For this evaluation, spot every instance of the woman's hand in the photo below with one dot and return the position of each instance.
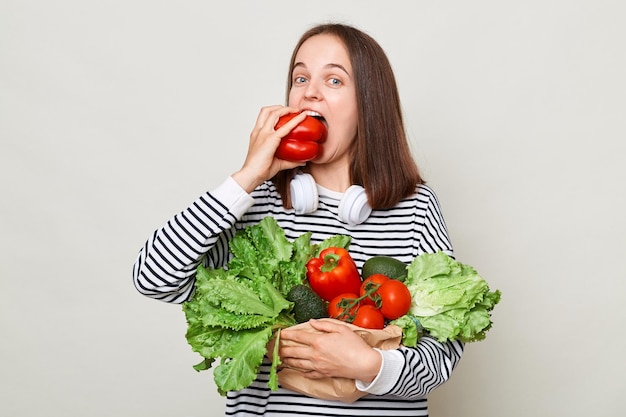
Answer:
(335, 352)
(260, 163)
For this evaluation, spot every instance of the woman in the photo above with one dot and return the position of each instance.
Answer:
(342, 76)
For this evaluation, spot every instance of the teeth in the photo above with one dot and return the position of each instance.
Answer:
(313, 113)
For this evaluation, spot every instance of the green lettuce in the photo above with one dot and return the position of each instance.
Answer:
(236, 310)
(451, 301)
(263, 251)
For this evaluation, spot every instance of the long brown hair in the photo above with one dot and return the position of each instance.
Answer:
(382, 161)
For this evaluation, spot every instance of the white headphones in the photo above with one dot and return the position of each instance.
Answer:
(353, 207)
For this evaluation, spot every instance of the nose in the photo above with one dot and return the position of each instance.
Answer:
(312, 92)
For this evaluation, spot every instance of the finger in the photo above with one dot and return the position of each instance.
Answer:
(314, 375)
(289, 126)
(301, 365)
(299, 336)
(269, 115)
(328, 325)
(264, 130)
(264, 114)
(291, 356)
(306, 367)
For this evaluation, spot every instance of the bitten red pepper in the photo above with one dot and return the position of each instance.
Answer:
(332, 273)
(304, 142)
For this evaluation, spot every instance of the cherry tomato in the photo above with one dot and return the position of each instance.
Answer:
(304, 141)
(395, 299)
(343, 306)
(369, 285)
(369, 317)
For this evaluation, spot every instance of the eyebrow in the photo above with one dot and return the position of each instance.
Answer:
(331, 65)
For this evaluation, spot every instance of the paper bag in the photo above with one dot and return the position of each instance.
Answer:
(340, 389)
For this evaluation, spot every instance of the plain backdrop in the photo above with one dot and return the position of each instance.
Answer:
(114, 115)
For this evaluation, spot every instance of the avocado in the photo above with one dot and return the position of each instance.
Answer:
(306, 303)
(386, 265)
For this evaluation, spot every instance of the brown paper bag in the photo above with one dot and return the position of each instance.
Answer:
(341, 389)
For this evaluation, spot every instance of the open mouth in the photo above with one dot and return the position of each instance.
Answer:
(316, 115)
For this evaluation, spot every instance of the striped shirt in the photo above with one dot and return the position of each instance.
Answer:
(164, 269)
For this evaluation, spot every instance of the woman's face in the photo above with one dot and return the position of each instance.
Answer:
(323, 85)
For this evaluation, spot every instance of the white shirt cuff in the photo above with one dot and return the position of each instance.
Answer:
(235, 198)
(390, 368)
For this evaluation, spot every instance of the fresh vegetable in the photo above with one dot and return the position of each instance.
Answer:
(369, 317)
(391, 296)
(380, 299)
(235, 310)
(386, 265)
(343, 306)
(395, 299)
(333, 272)
(306, 303)
(304, 142)
(369, 289)
(451, 301)
(233, 318)
(263, 251)
(412, 330)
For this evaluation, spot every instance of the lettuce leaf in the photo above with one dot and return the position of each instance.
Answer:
(451, 301)
(412, 330)
(263, 251)
(240, 365)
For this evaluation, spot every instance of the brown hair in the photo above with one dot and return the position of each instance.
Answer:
(382, 161)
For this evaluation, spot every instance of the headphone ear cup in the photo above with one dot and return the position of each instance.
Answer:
(304, 197)
(353, 207)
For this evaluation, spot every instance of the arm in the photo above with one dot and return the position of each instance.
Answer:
(337, 351)
(165, 266)
(415, 372)
(431, 233)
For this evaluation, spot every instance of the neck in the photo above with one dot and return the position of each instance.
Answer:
(333, 178)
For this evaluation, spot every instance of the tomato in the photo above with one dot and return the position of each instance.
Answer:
(369, 288)
(304, 141)
(343, 306)
(369, 317)
(395, 299)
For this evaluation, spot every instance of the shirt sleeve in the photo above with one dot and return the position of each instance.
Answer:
(431, 231)
(415, 372)
(165, 266)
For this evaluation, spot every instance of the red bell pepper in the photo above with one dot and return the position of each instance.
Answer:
(332, 273)
(304, 142)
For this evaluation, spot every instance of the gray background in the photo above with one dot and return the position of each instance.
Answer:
(114, 115)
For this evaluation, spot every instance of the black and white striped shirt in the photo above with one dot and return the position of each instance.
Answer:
(165, 268)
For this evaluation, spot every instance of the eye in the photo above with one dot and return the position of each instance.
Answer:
(335, 82)
(299, 80)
